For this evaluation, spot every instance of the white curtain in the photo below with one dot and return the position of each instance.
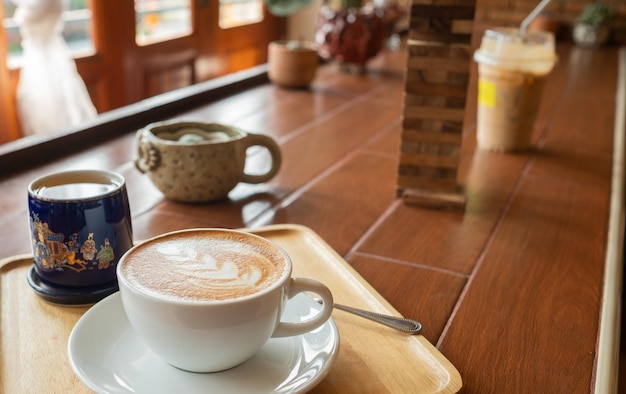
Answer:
(50, 94)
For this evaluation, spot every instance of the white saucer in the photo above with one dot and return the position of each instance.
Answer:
(108, 356)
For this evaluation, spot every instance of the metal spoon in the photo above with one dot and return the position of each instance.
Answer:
(399, 323)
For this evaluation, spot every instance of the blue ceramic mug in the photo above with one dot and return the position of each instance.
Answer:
(80, 226)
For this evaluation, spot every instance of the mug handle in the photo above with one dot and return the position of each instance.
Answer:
(148, 156)
(300, 285)
(267, 142)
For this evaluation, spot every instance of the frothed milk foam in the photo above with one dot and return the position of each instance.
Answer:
(204, 266)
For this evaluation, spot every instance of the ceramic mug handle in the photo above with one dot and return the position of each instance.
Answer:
(300, 285)
(272, 147)
(148, 156)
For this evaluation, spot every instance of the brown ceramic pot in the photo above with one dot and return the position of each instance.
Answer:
(292, 64)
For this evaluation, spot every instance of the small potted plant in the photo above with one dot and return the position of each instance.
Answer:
(591, 28)
(350, 33)
(291, 63)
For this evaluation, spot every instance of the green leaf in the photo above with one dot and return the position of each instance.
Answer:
(285, 7)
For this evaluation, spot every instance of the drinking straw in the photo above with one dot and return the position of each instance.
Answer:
(533, 14)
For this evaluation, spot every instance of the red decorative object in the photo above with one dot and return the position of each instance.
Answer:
(352, 35)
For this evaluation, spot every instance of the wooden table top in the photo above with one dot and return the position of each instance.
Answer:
(510, 291)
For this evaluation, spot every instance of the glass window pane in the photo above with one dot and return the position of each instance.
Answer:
(240, 12)
(76, 28)
(161, 20)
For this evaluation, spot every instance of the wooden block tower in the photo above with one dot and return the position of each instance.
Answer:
(437, 76)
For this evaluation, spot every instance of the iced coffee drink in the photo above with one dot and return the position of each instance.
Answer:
(511, 74)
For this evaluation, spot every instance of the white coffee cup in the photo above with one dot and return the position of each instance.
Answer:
(206, 300)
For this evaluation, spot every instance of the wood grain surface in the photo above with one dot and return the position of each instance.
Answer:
(510, 290)
(372, 357)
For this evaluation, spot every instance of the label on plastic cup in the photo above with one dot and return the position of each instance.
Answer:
(487, 93)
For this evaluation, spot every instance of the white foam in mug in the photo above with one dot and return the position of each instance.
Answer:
(511, 75)
(206, 300)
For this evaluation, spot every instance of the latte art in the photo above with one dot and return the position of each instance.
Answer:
(199, 266)
(213, 271)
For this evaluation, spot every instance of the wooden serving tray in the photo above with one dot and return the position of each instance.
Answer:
(372, 358)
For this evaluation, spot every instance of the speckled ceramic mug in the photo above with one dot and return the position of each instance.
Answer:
(199, 162)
